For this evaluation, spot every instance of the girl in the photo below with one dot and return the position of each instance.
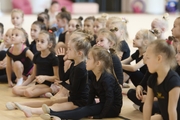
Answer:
(53, 11)
(88, 27)
(142, 39)
(176, 28)
(161, 25)
(36, 28)
(88, 23)
(99, 23)
(21, 56)
(62, 19)
(78, 47)
(72, 26)
(163, 83)
(119, 27)
(108, 40)
(45, 16)
(45, 69)
(17, 19)
(103, 83)
(3, 49)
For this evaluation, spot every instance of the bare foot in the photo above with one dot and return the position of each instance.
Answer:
(25, 109)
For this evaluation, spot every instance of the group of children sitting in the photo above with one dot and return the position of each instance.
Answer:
(84, 72)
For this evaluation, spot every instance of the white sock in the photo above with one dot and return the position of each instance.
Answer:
(19, 81)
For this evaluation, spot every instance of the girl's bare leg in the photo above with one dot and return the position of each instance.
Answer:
(63, 92)
(37, 90)
(19, 90)
(63, 106)
(28, 111)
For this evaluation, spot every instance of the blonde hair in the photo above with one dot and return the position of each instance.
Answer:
(102, 20)
(162, 23)
(25, 35)
(101, 54)
(147, 35)
(164, 47)
(17, 11)
(121, 25)
(110, 36)
(81, 41)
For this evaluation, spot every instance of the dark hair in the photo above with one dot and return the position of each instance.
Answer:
(54, 2)
(79, 22)
(40, 23)
(45, 13)
(90, 18)
(51, 38)
(64, 14)
(2, 28)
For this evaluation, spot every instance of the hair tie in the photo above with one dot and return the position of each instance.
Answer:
(77, 26)
(50, 31)
(169, 41)
(114, 29)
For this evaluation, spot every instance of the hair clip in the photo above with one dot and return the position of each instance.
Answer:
(50, 31)
(114, 29)
(169, 41)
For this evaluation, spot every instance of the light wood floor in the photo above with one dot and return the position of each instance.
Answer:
(6, 95)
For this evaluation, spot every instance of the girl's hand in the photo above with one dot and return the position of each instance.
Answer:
(40, 78)
(56, 82)
(139, 92)
(143, 98)
(61, 51)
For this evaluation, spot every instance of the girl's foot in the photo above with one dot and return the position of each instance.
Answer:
(48, 117)
(25, 109)
(11, 106)
(45, 109)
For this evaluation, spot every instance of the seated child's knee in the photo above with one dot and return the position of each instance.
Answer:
(17, 65)
(15, 90)
(28, 93)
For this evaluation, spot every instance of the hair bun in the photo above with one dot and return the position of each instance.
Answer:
(104, 15)
(46, 10)
(63, 9)
(166, 16)
(80, 18)
(40, 19)
(89, 37)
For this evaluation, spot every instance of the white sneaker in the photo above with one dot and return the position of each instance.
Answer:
(136, 106)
